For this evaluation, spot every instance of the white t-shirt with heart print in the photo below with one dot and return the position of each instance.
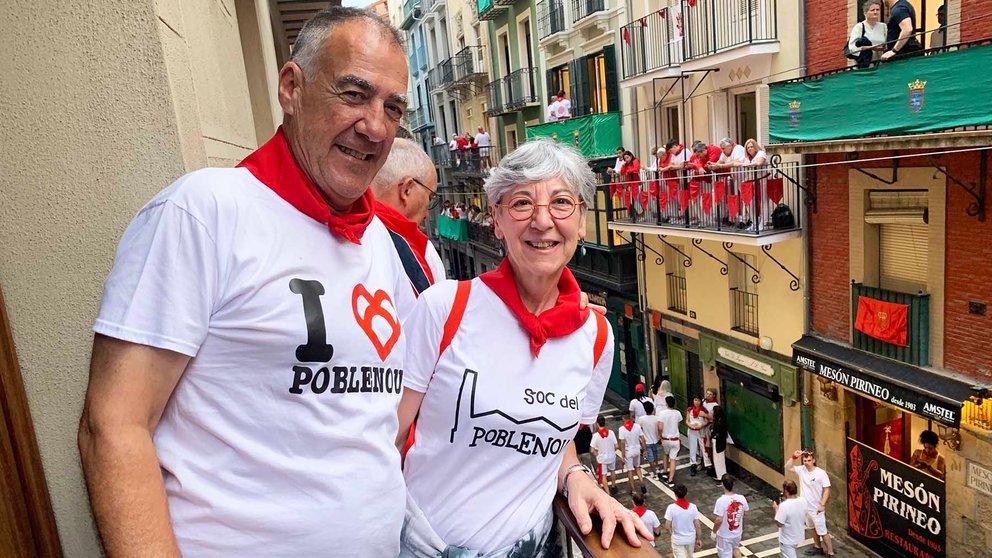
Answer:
(278, 438)
(495, 421)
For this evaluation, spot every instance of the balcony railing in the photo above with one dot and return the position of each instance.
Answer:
(583, 8)
(489, 9)
(441, 155)
(759, 200)
(484, 235)
(917, 349)
(418, 118)
(513, 92)
(442, 75)
(744, 306)
(467, 65)
(650, 43)
(550, 18)
(677, 299)
(669, 36)
(475, 161)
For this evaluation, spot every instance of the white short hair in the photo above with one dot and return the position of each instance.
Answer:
(538, 160)
(406, 160)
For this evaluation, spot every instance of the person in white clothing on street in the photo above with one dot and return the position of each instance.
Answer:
(650, 426)
(814, 489)
(669, 422)
(604, 450)
(662, 389)
(636, 407)
(728, 520)
(682, 521)
(790, 516)
(649, 518)
(631, 448)
(697, 419)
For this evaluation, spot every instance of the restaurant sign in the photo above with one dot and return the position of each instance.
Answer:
(915, 402)
(892, 508)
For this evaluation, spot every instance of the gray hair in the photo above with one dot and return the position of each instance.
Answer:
(725, 142)
(406, 160)
(869, 3)
(539, 160)
(309, 43)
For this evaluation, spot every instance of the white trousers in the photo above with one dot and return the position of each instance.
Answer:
(697, 443)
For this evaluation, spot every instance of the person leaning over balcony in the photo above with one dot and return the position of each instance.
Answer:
(900, 27)
(630, 176)
(405, 190)
(209, 427)
(501, 370)
(873, 32)
(551, 114)
(482, 140)
(703, 156)
(563, 107)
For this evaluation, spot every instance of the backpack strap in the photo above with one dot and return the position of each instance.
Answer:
(414, 271)
(455, 316)
(602, 333)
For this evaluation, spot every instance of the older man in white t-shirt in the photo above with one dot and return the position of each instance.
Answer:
(682, 521)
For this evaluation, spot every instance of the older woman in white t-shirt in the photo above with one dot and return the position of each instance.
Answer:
(872, 29)
(500, 371)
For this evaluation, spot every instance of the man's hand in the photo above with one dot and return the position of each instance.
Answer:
(585, 496)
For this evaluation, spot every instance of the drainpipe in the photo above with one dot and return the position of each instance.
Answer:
(804, 410)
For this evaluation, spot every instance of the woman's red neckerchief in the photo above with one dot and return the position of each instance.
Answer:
(273, 164)
(604, 432)
(562, 319)
(640, 510)
(628, 424)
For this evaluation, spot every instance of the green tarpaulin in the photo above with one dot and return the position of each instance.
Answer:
(596, 135)
(455, 229)
(922, 94)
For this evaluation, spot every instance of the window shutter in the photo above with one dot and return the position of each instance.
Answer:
(902, 259)
(579, 87)
(612, 85)
(552, 87)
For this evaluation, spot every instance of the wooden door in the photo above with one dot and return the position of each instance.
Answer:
(27, 524)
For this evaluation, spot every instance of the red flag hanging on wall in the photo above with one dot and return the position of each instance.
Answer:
(882, 320)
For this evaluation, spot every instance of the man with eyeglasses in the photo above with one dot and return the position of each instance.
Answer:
(405, 190)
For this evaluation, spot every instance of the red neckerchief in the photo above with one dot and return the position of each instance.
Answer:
(682, 503)
(399, 224)
(273, 164)
(561, 320)
(639, 510)
(695, 412)
(604, 432)
(560, 98)
(628, 424)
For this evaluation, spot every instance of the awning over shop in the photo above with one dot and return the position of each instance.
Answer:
(916, 390)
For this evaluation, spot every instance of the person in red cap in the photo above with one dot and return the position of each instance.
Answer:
(636, 407)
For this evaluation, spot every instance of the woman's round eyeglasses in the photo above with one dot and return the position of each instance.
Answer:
(559, 208)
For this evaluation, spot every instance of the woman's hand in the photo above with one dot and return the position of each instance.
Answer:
(585, 496)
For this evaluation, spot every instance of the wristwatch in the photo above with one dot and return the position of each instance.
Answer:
(569, 471)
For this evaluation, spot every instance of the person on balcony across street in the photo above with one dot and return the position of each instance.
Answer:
(482, 140)
(210, 427)
(900, 28)
(563, 107)
(939, 37)
(405, 190)
(703, 157)
(873, 32)
(550, 115)
(501, 370)
(630, 185)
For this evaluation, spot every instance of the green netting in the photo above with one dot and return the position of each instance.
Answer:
(916, 95)
(596, 135)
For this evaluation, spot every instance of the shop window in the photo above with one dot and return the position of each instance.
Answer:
(743, 294)
(754, 416)
(899, 218)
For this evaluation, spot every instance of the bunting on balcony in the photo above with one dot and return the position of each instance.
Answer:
(692, 3)
(663, 13)
(882, 320)
(625, 34)
(775, 188)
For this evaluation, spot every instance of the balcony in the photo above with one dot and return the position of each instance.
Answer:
(484, 236)
(550, 18)
(489, 9)
(648, 44)
(917, 349)
(419, 119)
(441, 155)
(441, 76)
(747, 205)
(467, 67)
(513, 92)
(412, 12)
(583, 8)
(920, 102)
(474, 162)
(744, 308)
(721, 25)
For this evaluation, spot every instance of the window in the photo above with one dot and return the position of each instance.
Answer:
(558, 80)
(672, 125)
(743, 294)
(597, 83)
(747, 117)
(675, 274)
(900, 218)
(594, 86)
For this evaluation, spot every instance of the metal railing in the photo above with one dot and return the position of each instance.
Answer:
(717, 25)
(441, 155)
(441, 75)
(467, 64)
(677, 300)
(754, 200)
(670, 36)
(521, 87)
(977, 414)
(917, 349)
(484, 235)
(475, 161)
(550, 18)
(744, 306)
(494, 97)
(418, 118)
(583, 8)
(650, 43)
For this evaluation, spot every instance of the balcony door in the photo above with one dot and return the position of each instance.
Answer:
(747, 117)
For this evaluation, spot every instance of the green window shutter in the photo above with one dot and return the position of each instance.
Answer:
(579, 86)
(612, 84)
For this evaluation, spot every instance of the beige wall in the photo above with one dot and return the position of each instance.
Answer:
(103, 107)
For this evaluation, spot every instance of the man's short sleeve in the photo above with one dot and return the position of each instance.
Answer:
(824, 478)
(164, 283)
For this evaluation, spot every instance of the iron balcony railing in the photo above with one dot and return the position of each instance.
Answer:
(474, 161)
(583, 8)
(917, 349)
(441, 155)
(484, 235)
(756, 200)
(744, 306)
(693, 30)
(978, 413)
(467, 64)
(494, 98)
(418, 118)
(521, 87)
(677, 300)
(550, 18)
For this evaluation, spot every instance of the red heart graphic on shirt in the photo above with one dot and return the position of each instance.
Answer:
(373, 310)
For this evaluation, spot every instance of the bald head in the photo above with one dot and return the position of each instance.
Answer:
(397, 186)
